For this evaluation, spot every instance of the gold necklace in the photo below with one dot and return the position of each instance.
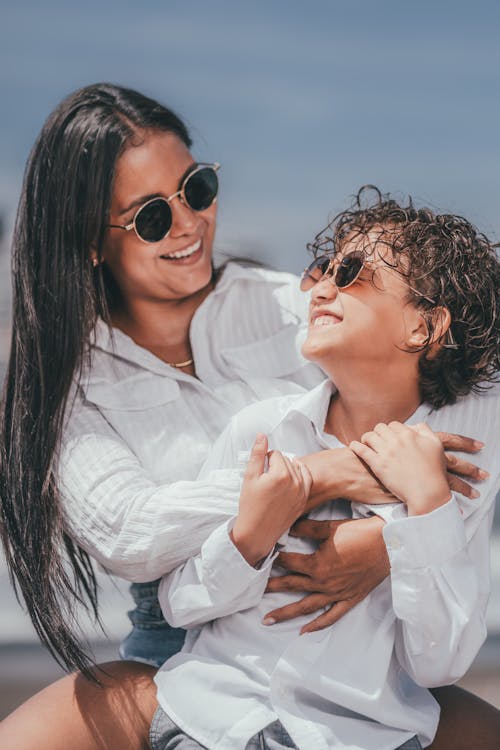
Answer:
(181, 364)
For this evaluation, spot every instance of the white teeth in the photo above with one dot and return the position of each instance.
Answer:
(187, 252)
(325, 320)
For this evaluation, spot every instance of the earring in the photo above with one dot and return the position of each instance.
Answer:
(95, 262)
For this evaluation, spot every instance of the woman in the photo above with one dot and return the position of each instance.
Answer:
(105, 414)
(404, 320)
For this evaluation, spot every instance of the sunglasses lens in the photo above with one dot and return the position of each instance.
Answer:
(348, 269)
(201, 188)
(314, 272)
(154, 220)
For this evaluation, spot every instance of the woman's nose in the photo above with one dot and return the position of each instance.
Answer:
(184, 218)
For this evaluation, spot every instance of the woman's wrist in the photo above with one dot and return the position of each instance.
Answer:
(330, 479)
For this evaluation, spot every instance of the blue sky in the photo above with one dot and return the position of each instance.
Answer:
(302, 102)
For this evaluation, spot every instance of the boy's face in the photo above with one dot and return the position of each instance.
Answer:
(370, 321)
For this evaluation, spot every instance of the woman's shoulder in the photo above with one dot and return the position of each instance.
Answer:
(475, 415)
(267, 299)
(250, 272)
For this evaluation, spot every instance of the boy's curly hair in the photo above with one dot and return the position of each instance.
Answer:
(455, 266)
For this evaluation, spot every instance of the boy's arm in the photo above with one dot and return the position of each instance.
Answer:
(231, 572)
(439, 554)
(217, 582)
(440, 588)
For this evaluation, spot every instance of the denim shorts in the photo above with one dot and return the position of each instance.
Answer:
(165, 735)
(151, 640)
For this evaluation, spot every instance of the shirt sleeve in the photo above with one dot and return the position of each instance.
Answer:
(131, 525)
(218, 581)
(440, 587)
(215, 583)
(440, 561)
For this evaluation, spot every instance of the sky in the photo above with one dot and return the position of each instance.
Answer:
(301, 103)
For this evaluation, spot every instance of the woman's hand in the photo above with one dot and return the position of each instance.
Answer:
(350, 561)
(270, 501)
(410, 462)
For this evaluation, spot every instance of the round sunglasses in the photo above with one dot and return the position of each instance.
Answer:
(153, 220)
(343, 273)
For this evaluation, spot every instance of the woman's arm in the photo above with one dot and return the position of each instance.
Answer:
(127, 522)
(338, 472)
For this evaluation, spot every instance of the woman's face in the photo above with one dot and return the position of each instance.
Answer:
(153, 168)
(370, 322)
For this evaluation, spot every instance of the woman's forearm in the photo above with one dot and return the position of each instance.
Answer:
(338, 473)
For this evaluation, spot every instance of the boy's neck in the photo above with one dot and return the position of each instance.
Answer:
(361, 403)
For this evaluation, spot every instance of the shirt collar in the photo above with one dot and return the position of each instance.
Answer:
(119, 344)
(314, 404)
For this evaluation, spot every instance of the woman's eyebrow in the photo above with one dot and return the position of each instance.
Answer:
(139, 202)
(146, 198)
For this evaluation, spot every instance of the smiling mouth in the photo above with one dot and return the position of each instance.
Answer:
(326, 320)
(191, 250)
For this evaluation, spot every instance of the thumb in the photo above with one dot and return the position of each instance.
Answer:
(257, 462)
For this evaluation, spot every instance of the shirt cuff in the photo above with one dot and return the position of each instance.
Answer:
(225, 566)
(429, 539)
(386, 511)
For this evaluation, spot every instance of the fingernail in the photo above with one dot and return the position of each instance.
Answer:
(478, 444)
(268, 621)
(260, 437)
(474, 494)
(483, 473)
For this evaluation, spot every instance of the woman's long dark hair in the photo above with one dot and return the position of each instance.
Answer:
(57, 296)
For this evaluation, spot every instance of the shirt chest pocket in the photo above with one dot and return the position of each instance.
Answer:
(136, 393)
(276, 356)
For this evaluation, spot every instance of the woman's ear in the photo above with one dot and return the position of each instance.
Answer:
(422, 334)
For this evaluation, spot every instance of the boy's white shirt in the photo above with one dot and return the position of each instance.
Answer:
(361, 682)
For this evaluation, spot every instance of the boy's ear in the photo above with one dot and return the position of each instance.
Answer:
(420, 335)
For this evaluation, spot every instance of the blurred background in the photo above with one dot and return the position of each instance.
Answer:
(302, 103)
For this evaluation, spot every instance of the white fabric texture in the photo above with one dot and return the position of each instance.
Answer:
(361, 682)
(139, 430)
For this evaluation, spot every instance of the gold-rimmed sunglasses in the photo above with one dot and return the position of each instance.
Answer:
(343, 273)
(153, 220)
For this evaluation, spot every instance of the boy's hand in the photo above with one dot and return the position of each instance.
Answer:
(409, 461)
(270, 501)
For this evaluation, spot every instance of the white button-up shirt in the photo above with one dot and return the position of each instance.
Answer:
(360, 683)
(139, 430)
